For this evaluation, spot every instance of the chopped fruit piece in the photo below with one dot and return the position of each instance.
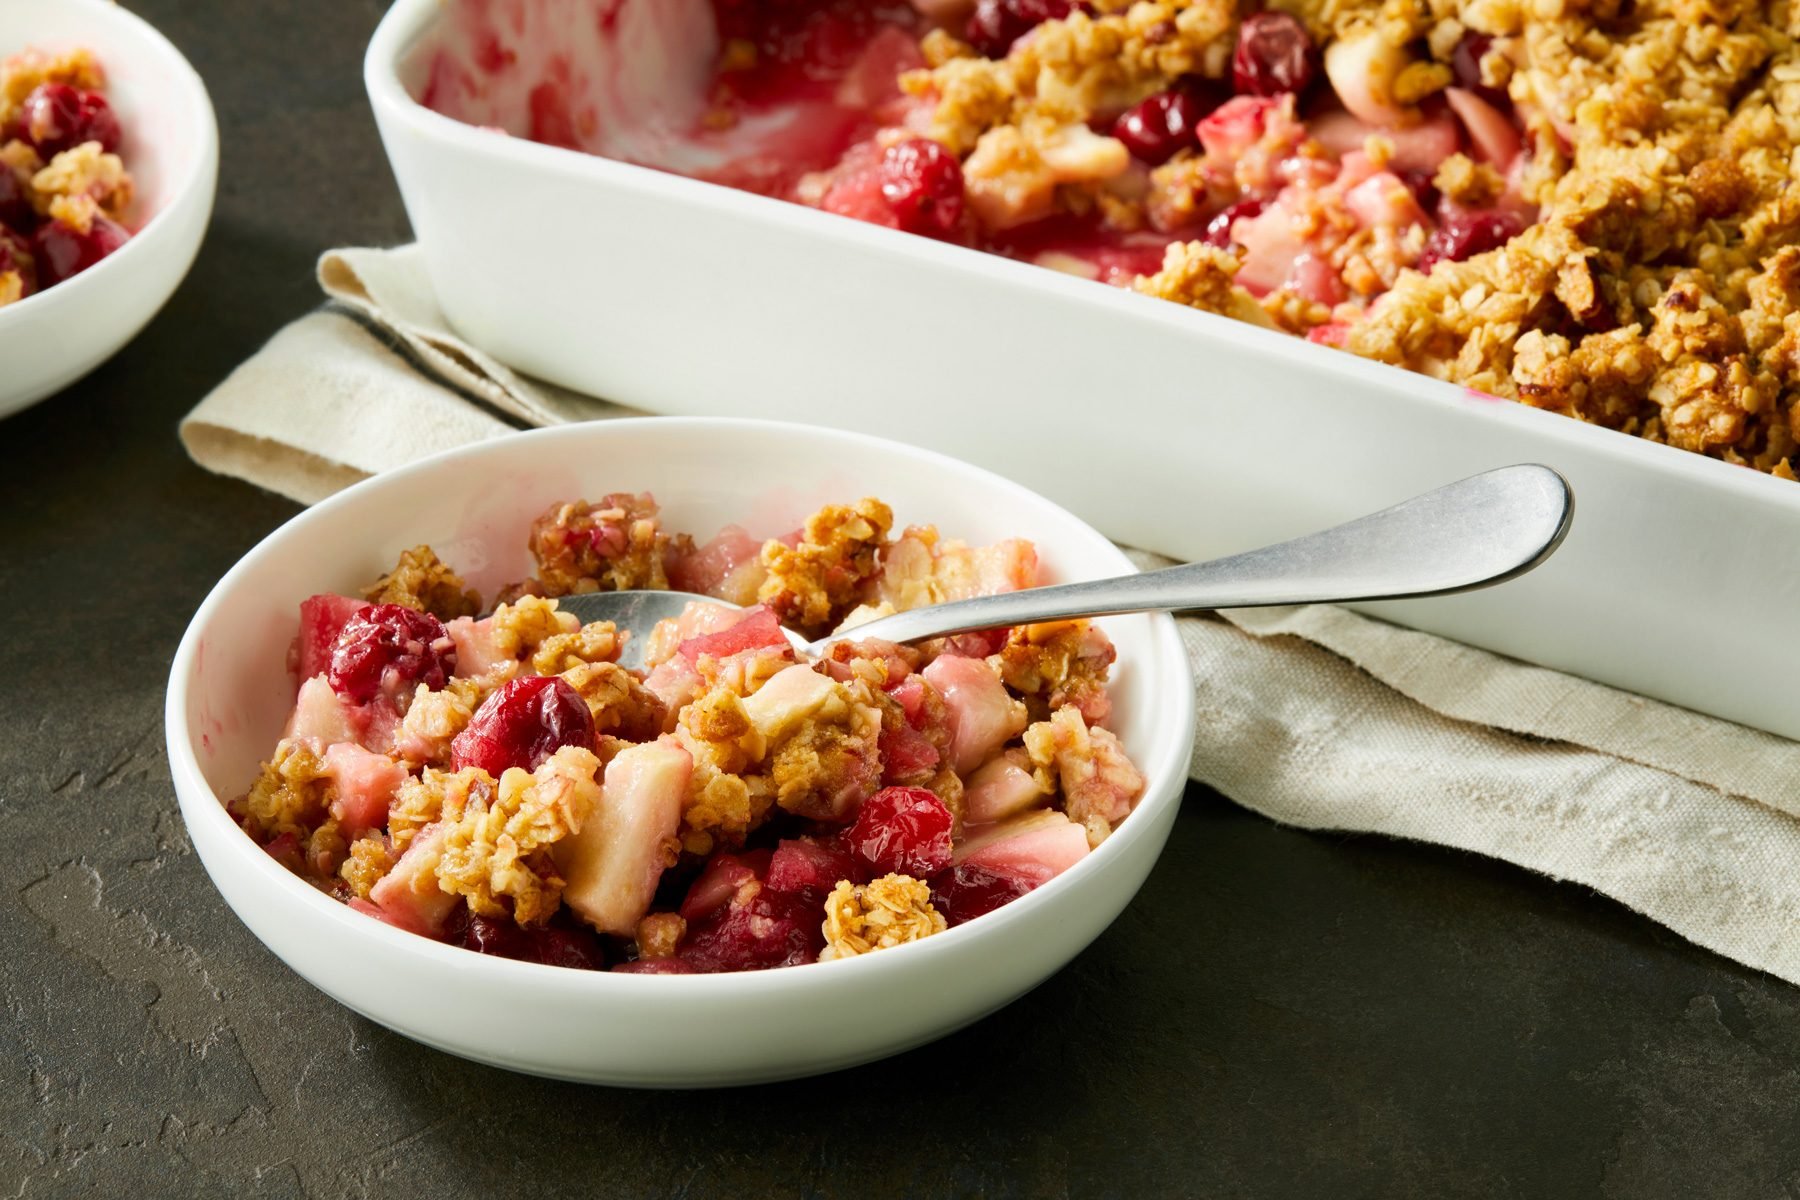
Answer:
(729, 567)
(923, 185)
(387, 650)
(1464, 235)
(983, 715)
(1154, 130)
(322, 620)
(1002, 788)
(757, 929)
(550, 945)
(1363, 68)
(723, 876)
(1037, 846)
(907, 756)
(1218, 230)
(1384, 201)
(1495, 140)
(63, 251)
(1273, 55)
(968, 891)
(1420, 146)
(810, 869)
(757, 629)
(323, 716)
(366, 783)
(478, 648)
(56, 117)
(902, 830)
(1235, 126)
(1465, 63)
(409, 896)
(523, 723)
(613, 862)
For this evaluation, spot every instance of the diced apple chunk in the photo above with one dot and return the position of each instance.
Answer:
(323, 715)
(409, 896)
(983, 715)
(366, 783)
(1037, 846)
(476, 650)
(1002, 787)
(788, 699)
(1495, 140)
(611, 866)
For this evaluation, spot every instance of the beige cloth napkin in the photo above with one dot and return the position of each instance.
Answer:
(1313, 716)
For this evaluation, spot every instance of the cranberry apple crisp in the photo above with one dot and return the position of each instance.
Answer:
(64, 191)
(1582, 205)
(504, 784)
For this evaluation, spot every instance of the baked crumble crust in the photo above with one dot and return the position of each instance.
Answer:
(612, 544)
(812, 584)
(421, 581)
(889, 911)
(292, 793)
(1088, 766)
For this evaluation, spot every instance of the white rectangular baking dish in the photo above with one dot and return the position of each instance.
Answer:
(1165, 427)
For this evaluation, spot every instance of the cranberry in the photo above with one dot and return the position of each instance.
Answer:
(810, 869)
(1420, 184)
(1463, 235)
(15, 206)
(1274, 55)
(902, 830)
(56, 117)
(725, 873)
(551, 945)
(923, 183)
(13, 257)
(654, 966)
(969, 891)
(760, 928)
(1465, 63)
(523, 723)
(1218, 230)
(1154, 130)
(62, 251)
(384, 647)
(997, 24)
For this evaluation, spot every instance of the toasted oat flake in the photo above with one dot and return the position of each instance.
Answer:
(860, 917)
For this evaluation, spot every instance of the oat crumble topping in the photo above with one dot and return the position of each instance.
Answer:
(890, 911)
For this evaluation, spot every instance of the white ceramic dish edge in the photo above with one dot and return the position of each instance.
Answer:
(51, 339)
(683, 297)
(658, 1031)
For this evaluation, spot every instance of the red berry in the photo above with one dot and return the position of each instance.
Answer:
(15, 207)
(387, 648)
(1154, 130)
(62, 251)
(997, 24)
(523, 723)
(923, 183)
(966, 892)
(810, 869)
(1465, 63)
(901, 830)
(1464, 235)
(758, 929)
(14, 257)
(1218, 230)
(1274, 55)
(552, 945)
(56, 117)
(724, 874)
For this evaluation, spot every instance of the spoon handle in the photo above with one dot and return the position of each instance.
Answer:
(1479, 531)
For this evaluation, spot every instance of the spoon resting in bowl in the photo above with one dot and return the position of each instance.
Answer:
(1471, 534)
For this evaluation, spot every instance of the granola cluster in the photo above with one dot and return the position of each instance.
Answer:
(503, 782)
(65, 193)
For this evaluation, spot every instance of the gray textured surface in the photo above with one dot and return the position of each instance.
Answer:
(1279, 1014)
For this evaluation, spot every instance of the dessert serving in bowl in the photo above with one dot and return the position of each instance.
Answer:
(108, 161)
(427, 828)
(716, 281)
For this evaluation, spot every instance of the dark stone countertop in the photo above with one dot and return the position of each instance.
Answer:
(1278, 1014)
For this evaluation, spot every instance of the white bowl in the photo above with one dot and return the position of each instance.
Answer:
(1675, 583)
(229, 693)
(171, 145)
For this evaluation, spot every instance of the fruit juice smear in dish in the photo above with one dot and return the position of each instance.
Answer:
(1585, 208)
(64, 191)
(502, 783)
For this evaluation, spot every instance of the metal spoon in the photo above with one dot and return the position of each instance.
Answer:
(1466, 535)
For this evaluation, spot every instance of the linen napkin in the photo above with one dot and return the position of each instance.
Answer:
(1312, 715)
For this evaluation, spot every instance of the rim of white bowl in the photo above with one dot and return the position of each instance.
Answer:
(1172, 740)
(202, 178)
(408, 20)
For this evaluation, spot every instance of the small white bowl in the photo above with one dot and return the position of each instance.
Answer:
(229, 692)
(51, 339)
